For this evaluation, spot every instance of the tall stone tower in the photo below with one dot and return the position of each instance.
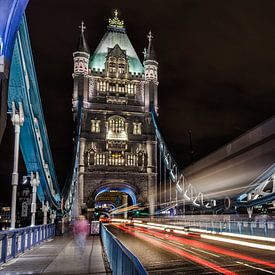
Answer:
(117, 142)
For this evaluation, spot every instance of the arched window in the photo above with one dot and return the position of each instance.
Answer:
(117, 128)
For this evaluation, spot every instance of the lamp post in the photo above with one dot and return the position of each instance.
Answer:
(34, 183)
(45, 209)
(17, 119)
(53, 216)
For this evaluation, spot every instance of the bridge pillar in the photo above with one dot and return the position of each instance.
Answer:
(125, 203)
(151, 177)
(34, 183)
(17, 119)
(80, 188)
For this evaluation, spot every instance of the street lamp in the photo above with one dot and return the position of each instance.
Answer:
(17, 119)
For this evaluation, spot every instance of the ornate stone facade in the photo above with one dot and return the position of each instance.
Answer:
(117, 143)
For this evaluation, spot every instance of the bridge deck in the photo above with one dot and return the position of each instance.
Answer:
(59, 256)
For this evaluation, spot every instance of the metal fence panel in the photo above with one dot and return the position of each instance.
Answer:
(121, 260)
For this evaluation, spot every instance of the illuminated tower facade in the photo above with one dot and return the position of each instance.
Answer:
(117, 144)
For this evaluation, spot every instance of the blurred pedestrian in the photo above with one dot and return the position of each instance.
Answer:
(81, 231)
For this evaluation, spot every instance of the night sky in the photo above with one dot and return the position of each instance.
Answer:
(216, 69)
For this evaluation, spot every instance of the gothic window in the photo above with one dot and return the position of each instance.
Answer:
(121, 88)
(116, 159)
(112, 87)
(117, 124)
(136, 128)
(131, 160)
(95, 126)
(121, 66)
(131, 88)
(99, 159)
(102, 86)
(112, 65)
(117, 128)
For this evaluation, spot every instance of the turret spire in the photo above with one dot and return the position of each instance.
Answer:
(82, 45)
(150, 53)
(82, 27)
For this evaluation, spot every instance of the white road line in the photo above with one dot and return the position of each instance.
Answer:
(203, 251)
(254, 267)
(176, 243)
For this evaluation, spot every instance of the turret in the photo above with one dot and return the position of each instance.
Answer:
(150, 75)
(81, 68)
(82, 53)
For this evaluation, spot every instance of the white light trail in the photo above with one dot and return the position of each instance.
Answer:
(243, 243)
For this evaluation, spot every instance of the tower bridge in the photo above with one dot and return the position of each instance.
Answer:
(120, 159)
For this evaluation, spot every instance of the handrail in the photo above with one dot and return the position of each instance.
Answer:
(17, 241)
(121, 260)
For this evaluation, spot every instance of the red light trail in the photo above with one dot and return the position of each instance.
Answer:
(178, 251)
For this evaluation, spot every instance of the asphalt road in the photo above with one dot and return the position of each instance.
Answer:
(169, 253)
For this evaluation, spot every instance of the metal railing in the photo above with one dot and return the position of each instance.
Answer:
(17, 241)
(121, 260)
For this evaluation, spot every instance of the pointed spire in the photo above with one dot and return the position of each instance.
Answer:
(150, 53)
(82, 45)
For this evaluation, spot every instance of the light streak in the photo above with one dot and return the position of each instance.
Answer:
(243, 243)
(258, 238)
(180, 252)
(210, 247)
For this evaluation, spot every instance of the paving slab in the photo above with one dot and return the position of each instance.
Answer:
(59, 256)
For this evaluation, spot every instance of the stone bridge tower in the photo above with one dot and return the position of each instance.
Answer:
(117, 142)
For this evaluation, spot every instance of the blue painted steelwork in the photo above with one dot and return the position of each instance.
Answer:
(17, 241)
(121, 260)
(34, 144)
(11, 12)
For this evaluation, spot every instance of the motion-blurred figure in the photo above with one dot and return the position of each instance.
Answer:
(81, 231)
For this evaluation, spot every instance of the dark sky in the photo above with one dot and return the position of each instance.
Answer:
(216, 68)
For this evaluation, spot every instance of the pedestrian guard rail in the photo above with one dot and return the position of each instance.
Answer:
(121, 260)
(17, 241)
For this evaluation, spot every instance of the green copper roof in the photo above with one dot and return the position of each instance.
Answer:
(112, 37)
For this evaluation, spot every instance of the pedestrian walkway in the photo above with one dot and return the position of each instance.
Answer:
(59, 256)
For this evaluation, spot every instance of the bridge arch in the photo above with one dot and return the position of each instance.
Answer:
(120, 187)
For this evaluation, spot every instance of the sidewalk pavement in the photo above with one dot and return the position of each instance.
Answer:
(59, 256)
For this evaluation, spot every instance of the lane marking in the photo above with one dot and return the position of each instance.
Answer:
(254, 267)
(206, 252)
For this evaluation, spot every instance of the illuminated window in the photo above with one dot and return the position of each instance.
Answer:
(131, 160)
(112, 65)
(102, 86)
(115, 159)
(121, 88)
(131, 88)
(112, 87)
(100, 159)
(121, 66)
(95, 126)
(136, 128)
(117, 128)
(117, 124)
